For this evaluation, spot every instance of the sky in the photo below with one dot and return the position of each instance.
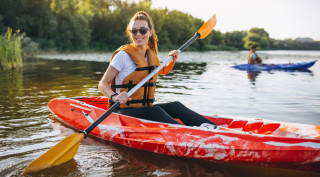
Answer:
(282, 19)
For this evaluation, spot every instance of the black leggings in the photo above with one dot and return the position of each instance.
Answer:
(166, 113)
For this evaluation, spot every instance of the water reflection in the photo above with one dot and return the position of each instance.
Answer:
(184, 71)
(102, 158)
(252, 76)
(69, 168)
(24, 128)
(11, 83)
(178, 166)
(181, 79)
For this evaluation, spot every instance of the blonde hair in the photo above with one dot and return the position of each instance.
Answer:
(153, 40)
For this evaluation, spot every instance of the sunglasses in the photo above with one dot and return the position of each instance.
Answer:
(142, 30)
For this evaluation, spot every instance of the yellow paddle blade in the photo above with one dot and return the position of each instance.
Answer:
(206, 28)
(58, 154)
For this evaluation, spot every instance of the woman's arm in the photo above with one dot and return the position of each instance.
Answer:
(108, 77)
(104, 86)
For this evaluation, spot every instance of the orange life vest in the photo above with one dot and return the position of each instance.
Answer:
(248, 57)
(144, 96)
(257, 60)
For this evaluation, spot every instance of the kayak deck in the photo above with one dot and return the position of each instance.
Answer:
(243, 141)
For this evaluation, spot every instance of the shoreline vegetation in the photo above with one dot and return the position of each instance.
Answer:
(10, 51)
(14, 47)
(75, 26)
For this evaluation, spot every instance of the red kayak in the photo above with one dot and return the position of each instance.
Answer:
(240, 141)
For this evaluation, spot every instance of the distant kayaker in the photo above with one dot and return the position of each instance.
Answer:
(252, 56)
(130, 64)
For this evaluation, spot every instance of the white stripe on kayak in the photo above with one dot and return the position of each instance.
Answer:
(304, 144)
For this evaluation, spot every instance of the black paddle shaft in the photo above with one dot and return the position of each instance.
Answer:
(101, 118)
(117, 104)
(190, 41)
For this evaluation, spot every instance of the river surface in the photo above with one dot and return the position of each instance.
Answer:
(203, 81)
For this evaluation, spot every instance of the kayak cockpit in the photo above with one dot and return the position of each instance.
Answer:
(247, 125)
(268, 127)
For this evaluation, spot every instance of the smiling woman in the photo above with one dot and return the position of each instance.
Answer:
(130, 64)
(66, 149)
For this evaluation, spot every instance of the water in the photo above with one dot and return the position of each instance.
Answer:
(203, 81)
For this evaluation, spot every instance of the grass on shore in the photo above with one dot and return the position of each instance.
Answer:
(10, 51)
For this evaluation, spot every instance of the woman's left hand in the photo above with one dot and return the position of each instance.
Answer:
(174, 53)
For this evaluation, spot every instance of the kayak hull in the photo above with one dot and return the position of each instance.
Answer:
(240, 141)
(265, 67)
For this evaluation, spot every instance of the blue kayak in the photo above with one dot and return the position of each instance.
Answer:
(265, 67)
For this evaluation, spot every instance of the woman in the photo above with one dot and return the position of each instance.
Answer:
(130, 64)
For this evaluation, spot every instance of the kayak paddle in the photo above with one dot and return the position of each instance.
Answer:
(66, 149)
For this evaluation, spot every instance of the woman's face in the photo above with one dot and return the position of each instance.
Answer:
(139, 26)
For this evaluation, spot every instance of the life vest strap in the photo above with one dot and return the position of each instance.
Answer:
(130, 85)
(149, 68)
(143, 101)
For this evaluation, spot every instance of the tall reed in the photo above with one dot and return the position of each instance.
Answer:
(10, 51)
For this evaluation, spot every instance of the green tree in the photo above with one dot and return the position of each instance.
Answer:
(235, 39)
(200, 44)
(217, 38)
(73, 32)
(158, 16)
(101, 24)
(257, 36)
(179, 26)
(290, 44)
(34, 18)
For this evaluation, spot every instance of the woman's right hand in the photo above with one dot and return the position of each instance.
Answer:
(123, 97)
(174, 54)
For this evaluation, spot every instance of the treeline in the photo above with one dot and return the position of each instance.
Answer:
(73, 25)
(259, 37)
